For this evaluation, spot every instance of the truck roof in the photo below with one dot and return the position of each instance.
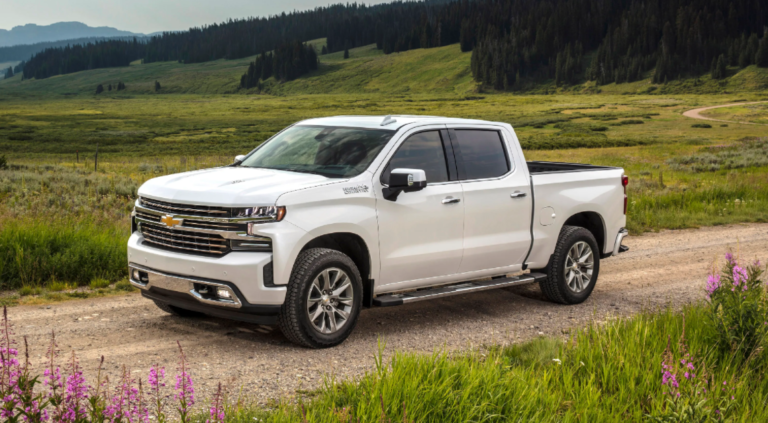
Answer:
(375, 122)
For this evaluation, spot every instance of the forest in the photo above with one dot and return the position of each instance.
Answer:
(511, 40)
(288, 62)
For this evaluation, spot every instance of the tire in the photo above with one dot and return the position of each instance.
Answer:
(176, 311)
(572, 285)
(302, 319)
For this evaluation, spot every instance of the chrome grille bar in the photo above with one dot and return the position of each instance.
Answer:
(185, 236)
(172, 207)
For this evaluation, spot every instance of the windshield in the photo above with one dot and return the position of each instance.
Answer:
(325, 150)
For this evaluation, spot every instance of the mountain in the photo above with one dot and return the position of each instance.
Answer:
(32, 33)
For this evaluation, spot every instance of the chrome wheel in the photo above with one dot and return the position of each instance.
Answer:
(329, 301)
(578, 266)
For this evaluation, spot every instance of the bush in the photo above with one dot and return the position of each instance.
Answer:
(738, 308)
(37, 252)
(3, 162)
(701, 125)
(631, 122)
(99, 283)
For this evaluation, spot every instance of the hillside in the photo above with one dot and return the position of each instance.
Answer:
(443, 69)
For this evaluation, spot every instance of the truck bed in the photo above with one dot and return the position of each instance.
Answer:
(556, 167)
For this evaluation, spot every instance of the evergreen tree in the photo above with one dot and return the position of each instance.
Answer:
(157, 86)
(109, 87)
(761, 57)
(99, 89)
(346, 53)
(718, 70)
(324, 51)
(9, 72)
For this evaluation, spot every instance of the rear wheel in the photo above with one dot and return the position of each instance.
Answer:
(176, 311)
(323, 299)
(573, 268)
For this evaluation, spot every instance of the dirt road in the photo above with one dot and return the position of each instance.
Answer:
(662, 268)
(696, 113)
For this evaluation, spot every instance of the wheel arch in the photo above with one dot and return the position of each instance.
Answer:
(594, 223)
(354, 246)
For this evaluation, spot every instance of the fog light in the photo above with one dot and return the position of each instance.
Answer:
(135, 275)
(223, 293)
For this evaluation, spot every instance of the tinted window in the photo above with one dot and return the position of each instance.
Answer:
(482, 153)
(421, 151)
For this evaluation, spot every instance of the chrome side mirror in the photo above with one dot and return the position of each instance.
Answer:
(405, 180)
(239, 159)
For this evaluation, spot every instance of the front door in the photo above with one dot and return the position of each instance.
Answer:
(420, 234)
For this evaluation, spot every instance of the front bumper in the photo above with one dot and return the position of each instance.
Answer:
(242, 272)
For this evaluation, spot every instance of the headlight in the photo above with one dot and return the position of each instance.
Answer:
(264, 214)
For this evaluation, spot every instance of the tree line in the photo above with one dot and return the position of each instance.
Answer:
(288, 62)
(510, 40)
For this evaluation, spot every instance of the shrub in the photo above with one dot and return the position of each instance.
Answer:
(3, 162)
(738, 308)
(701, 125)
(631, 122)
(99, 283)
(124, 286)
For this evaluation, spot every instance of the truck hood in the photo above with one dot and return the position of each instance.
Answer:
(230, 186)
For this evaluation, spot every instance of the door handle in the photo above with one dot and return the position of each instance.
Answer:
(451, 200)
(517, 194)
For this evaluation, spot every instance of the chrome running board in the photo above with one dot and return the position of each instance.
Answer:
(389, 300)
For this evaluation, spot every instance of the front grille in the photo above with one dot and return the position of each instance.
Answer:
(186, 209)
(185, 241)
(202, 224)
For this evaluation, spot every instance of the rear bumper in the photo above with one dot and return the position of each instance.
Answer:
(242, 272)
(617, 247)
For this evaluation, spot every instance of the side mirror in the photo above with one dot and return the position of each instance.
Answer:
(239, 159)
(404, 180)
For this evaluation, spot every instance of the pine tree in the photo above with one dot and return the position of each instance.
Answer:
(346, 53)
(99, 89)
(9, 72)
(109, 87)
(157, 86)
(324, 51)
(761, 57)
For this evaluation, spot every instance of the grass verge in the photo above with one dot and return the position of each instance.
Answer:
(608, 373)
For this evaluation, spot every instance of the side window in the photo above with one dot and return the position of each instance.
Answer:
(482, 153)
(421, 151)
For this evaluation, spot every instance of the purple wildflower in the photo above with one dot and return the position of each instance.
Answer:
(713, 283)
(185, 391)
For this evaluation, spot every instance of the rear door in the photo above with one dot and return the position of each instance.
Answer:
(421, 233)
(497, 199)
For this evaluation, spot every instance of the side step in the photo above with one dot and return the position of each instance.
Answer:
(389, 300)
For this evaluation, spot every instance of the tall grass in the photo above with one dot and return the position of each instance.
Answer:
(604, 373)
(37, 252)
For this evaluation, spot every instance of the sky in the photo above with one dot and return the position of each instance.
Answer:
(147, 16)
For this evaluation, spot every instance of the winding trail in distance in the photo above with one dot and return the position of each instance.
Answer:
(696, 113)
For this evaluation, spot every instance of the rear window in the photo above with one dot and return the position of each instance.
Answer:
(482, 153)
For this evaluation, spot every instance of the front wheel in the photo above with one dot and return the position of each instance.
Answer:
(573, 268)
(323, 299)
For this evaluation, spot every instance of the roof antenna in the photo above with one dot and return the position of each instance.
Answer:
(388, 120)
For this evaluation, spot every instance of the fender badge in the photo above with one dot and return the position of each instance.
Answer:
(356, 190)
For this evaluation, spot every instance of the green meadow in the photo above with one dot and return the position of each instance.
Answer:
(57, 206)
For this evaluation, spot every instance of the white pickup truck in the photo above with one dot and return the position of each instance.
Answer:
(337, 214)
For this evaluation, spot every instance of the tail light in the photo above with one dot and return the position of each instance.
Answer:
(624, 183)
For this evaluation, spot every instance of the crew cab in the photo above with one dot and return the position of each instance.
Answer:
(337, 214)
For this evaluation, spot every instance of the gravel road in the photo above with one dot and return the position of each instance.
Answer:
(696, 113)
(669, 267)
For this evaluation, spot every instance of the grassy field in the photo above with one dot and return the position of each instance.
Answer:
(54, 204)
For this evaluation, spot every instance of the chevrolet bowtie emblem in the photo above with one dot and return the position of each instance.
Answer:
(170, 221)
